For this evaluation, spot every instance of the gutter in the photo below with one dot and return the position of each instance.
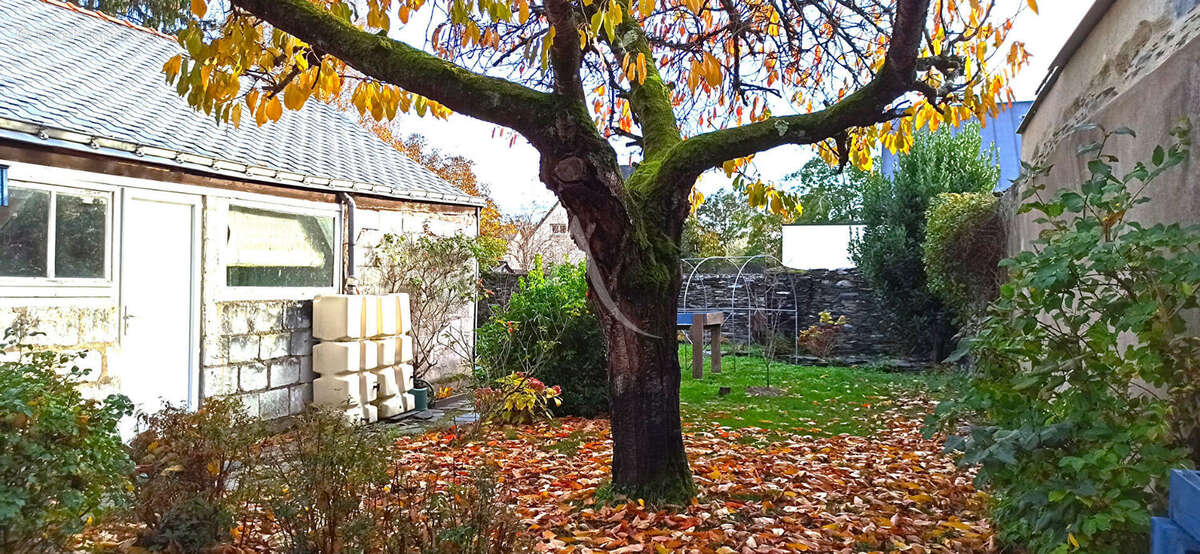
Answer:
(351, 284)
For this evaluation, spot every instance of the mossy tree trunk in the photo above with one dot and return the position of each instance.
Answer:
(629, 227)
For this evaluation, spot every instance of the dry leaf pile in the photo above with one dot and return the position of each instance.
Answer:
(891, 492)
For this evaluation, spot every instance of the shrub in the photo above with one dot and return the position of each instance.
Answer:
(62, 462)
(439, 274)
(313, 482)
(889, 251)
(1086, 394)
(964, 243)
(548, 331)
(185, 487)
(329, 486)
(517, 398)
(821, 339)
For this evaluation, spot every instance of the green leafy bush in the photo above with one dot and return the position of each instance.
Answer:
(517, 398)
(548, 331)
(1086, 393)
(62, 462)
(964, 243)
(186, 487)
(890, 250)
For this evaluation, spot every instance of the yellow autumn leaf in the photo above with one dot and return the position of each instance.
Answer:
(1070, 536)
(1032, 5)
(199, 8)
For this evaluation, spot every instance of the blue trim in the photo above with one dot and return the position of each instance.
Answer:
(3, 186)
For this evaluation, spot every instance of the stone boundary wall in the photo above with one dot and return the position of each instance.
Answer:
(802, 295)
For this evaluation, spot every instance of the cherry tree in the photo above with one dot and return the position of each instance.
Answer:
(687, 85)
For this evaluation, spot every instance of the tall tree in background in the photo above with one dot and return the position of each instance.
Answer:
(692, 84)
(890, 251)
(168, 16)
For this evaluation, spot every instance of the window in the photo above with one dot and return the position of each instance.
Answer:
(48, 232)
(276, 249)
(558, 228)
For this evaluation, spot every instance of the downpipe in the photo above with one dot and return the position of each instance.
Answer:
(351, 284)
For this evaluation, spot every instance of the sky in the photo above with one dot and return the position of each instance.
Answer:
(510, 169)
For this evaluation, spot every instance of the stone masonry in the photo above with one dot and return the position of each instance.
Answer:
(262, 354)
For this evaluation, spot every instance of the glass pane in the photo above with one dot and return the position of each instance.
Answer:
(24, 225)
(79, 227)
(272, 249)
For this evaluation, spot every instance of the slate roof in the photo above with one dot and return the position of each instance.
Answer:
(69, 75)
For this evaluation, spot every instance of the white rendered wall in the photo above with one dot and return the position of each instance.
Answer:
(818, 246)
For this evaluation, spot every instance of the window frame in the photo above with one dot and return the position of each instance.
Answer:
(236, 293)
(67, 286)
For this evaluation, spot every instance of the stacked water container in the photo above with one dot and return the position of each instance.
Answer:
(364, 357)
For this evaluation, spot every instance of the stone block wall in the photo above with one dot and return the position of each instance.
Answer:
(789, 302)
(798, 295)
(86, 325)
(262, 354)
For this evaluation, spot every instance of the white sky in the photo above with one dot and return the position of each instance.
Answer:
(512, 171)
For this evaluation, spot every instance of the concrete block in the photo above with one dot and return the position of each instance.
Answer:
(368, 356)
(268, 316)
(298, 316)
(252, 377)
(337, 391)
(387, 351)
(369, 384)
(338, 317)
(301, 397)
(389, 320)
(404, 349)
(274, 346)
(410, 403)
(219, 381)
(274, 403)
(393, 406)
(300, 343)
(403, 313)
(306, 369)
(285, 371)
(370, 321)
(243, 348)
(330, 358)
(370, 413)
(236, 319)
(389, 379)
(214, 350)
(250, 404)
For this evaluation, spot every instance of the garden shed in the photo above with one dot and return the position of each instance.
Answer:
(182, 254)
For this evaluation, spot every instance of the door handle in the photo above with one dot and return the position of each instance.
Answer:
(125, 320)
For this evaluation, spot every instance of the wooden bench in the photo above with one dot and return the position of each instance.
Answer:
(697, 323)
(1179, 532)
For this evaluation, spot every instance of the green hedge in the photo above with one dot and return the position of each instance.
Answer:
(548, 330)
(964, 243)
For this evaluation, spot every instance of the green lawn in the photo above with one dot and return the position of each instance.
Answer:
(820, 401)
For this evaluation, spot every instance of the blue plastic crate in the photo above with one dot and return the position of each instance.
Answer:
(1179, 532)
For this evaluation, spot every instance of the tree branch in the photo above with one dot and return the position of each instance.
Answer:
(487, 98)
(867, 106)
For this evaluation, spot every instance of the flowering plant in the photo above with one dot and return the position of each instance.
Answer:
(820, 339)
(517, 398)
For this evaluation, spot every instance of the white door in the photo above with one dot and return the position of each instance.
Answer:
(160, 259)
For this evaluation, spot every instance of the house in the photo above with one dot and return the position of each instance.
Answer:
(184, 255)
(999, 135)
(549, 237)
(1129, 63)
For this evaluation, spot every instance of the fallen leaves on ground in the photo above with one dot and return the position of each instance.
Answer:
(894, 491)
